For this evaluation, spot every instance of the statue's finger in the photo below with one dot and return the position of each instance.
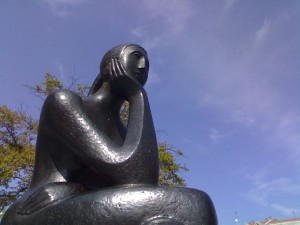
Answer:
(123, 71)
(110, 77)
(41, 205)
(25, 207)
(36, 199)
(30, 200)
(118, 69)
(113, 68)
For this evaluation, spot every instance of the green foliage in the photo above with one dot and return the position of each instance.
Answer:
(169, 168)
(18, 135)
(17, 138)
(50, 84)
(124, 113)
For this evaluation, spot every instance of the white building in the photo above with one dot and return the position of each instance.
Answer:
(271, 221)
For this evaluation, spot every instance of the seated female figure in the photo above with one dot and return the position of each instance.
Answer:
(91, 169)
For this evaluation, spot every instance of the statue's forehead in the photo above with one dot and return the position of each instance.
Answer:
(133, 48)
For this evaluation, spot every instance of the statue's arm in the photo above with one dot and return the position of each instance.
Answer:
(140, 125)
(140, 141)
(140, 129)
(64, 116)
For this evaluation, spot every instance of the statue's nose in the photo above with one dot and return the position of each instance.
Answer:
(142, 63)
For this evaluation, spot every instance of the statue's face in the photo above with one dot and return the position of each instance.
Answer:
(135, 61)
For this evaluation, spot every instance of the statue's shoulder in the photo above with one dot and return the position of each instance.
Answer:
(62, 95)
(61, 98)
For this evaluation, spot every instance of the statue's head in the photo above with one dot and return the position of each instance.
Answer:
(134, 59)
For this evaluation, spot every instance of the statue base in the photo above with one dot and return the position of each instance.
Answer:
(126, 205)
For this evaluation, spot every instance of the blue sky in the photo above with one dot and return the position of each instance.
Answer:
(223, 84)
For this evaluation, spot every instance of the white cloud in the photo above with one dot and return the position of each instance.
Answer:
(288, 132)
(285, 210)
(244, 84)
(231, 70)
(215, 135)
(258, 197)
(229, 4)
(195, 146)
(153, 78)
(61, 70)
(265, 191)
(242, 117)
(262, 33)
(171, 15)
(63, 8)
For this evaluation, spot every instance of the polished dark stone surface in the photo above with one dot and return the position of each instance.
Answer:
(127, 205)
(91, 169)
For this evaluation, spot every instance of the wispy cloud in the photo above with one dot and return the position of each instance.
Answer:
(265, 191)
(287, 211)
(244, 84)
(215, 135)
(61, 71)
(63, 8)
(153, 79)
(229, 4)
(262, 33)
(195, 146)
(172, 17)
(236, 71)
(287, 133)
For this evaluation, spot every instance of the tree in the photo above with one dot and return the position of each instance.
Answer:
(169, 168)
(18, 135)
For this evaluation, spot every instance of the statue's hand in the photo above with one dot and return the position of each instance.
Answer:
(47, 195)
(122, 83)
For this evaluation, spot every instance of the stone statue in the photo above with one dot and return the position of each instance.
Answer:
(91, 169)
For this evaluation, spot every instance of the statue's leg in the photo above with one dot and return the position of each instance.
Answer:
(146, 205)
(39, 199)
